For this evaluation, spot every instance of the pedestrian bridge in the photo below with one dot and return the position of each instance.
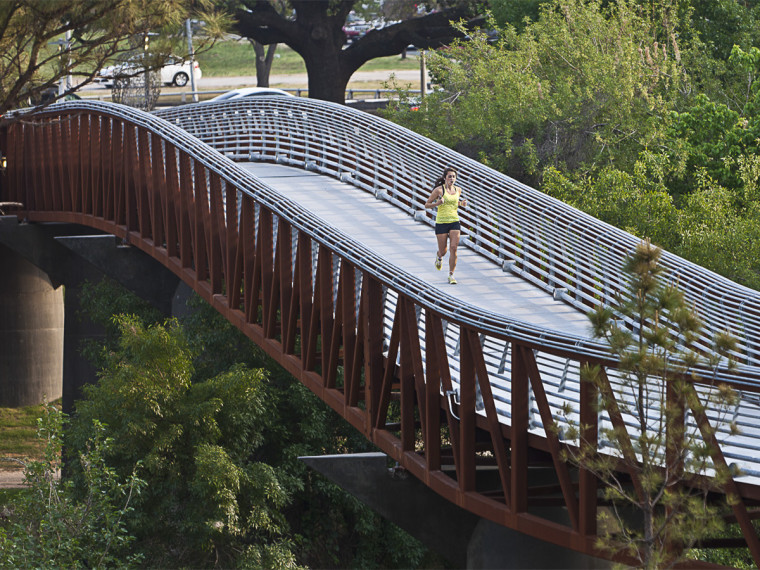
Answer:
(302, 222)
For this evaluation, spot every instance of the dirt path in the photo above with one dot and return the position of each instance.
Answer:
(14, 478)
(11, 479)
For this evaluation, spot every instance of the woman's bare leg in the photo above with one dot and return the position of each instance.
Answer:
(441, 244)
(454, 239)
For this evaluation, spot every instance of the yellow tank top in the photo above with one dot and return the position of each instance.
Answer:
(447, 212)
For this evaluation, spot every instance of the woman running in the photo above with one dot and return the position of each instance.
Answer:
(448, 198)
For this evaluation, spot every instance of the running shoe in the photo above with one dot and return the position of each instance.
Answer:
(452, 281)
(438, 263)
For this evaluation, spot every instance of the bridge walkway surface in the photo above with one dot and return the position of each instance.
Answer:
(411, 246)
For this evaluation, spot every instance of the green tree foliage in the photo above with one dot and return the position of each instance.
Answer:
(585, 86)
(623, 110)
(658, 513)
(53, 524)
(515, 12)
(86, 34)
(324, 526)
(206, 498)
(721, 24)
(328, 527)
(706, 226)
(637, 203)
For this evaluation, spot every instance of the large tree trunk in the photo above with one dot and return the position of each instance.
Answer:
(327, 81)
(321, 49)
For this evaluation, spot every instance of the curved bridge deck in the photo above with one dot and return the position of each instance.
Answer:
(312, 244)
(410, 245)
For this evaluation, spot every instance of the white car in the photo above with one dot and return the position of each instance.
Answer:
(175, 71)
(249, 92)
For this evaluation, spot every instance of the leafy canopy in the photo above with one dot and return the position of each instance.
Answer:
(44, 41)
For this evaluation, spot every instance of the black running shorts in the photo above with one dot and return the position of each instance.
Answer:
(446, 228)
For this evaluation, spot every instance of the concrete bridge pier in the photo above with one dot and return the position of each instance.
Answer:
(466, 540)
(31, 333)
(44, 268)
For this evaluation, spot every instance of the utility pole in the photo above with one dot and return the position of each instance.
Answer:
(146, 73)
(64, 83)
(191, 53)
(423, 75)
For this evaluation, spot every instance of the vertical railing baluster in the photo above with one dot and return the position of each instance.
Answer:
(589, 435)
(347, 301)
(466, 474)
(202, 232)
(519, 431)
(265, 266)
(373, 348)
(171, 201)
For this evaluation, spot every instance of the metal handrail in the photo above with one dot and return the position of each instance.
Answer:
(554, 246)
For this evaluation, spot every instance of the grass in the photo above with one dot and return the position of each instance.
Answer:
(236, 58)
(18, 434)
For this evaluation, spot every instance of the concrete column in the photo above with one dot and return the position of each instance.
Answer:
(31, 333)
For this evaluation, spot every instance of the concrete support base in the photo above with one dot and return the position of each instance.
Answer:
(31, 333)
(69, 255)
(465, 540)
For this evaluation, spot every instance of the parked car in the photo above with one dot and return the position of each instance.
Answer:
(175, 71)
(249, 92)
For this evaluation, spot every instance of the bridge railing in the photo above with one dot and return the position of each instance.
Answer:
(569, 254)
(444, 389)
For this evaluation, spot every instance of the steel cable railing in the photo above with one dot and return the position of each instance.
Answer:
(555, 247)
(565, 252)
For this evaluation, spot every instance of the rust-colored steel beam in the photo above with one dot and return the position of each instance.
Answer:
(560, 466)
(519, 431)
(587, 483)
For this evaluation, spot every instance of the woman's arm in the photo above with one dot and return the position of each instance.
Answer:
(462, 201)
(434, 200)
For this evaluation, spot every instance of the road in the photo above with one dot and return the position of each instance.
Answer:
(11, 479)
(299, 80)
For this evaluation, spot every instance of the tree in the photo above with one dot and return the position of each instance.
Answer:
(314, 30)
(54, 524)
(648, 473)
(515, 12)
(330, 528)
(207, 496)
(582, 88)
(44, 42)
(320, 524)
(722, 24)
(264, 58)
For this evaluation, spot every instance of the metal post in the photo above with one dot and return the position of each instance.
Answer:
(423, 75)
(191, 53)
(68, 61)
(146, 72)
